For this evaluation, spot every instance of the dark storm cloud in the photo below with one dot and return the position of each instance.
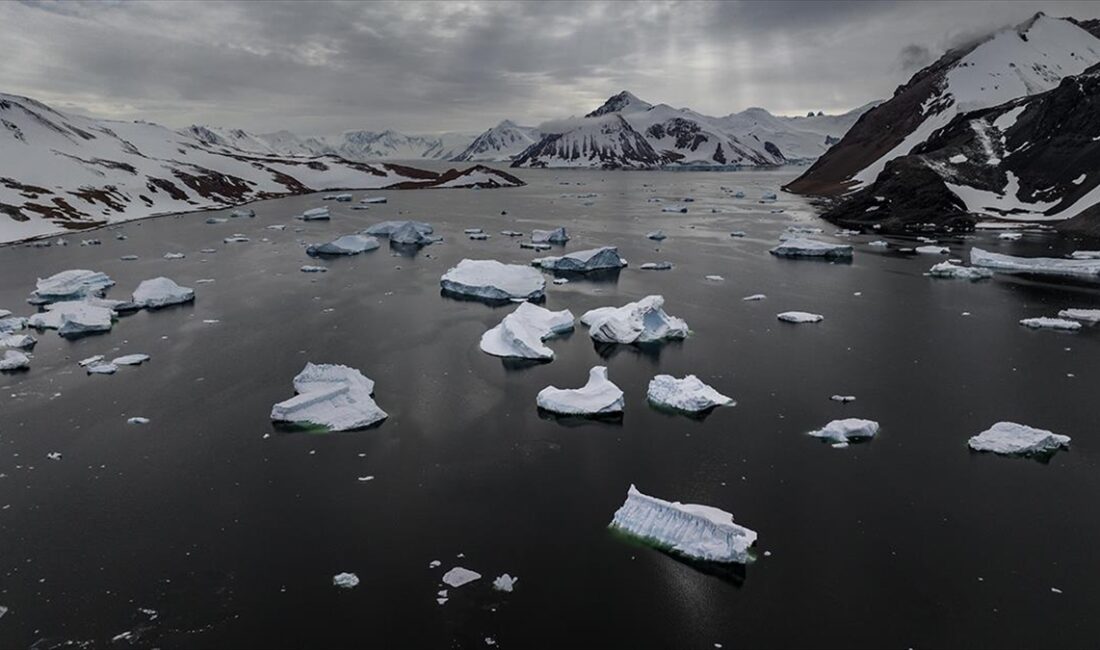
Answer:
(417, 66)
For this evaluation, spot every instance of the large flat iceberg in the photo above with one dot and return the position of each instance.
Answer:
(1091, 316)
(696, 531)
(800, 317)
(70, 285)
(332, 396)
(689, 394)
(345, 245)
(1014, 439)
(73, 318)
(954, 271)
(161, 292)
(594, 259)
(1040, 265)
(493, 280)
(644, 321)
(1045, 323)
(802, 247)
(598, 397)
(521, 333)
(846, 430)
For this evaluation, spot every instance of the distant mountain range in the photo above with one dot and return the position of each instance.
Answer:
(1007, 128)
(60, 171)
(624, 133)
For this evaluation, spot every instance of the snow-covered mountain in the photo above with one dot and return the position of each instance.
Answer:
(502, 142)
(352, 145)
(1028, 59)
(629, 133)
(60, 171)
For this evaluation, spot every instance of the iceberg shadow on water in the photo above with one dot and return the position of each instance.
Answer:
(577, 421)
(649, 350)
(731, 573)
(599, 276)
(492, 302)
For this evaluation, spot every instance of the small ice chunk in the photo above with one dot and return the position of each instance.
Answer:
(71, 285)
(689, 394)
(933, 250)
(843, 399)
(216, 220)
(161, 292)
(954, 271)
(478, 236)
(1010, 236)
(1091, 316)
(511, 233)
(598, 397)
(17, 341)
(1051, 323)
(344, 198)
(696, 531)
(434, 563)
(505, 583)
(714, 278)
(73, 318)
(1085, 255)
(242, 212)
(345, 580)
(533, 246)
(768, 196)
(309, 268)
(656, 266)
(345, 245)
(644, 321)
(410, 235)
(90, 360)
(847, 430)
(54, 455)
(387, 228)
(102, 369)
(1010, 438)
(657, 235)
(878, 243)
(800, 317)
(521, 333)
(754, 297)
(459, 576)
(682, 209)
(801, 247)
(494, 281)
(14, 360)
(137, 420)
(174, 256)
(235, 239)
(316, 214)
(1038, 265)
(737, 233)
(372, 199)
(131, 360)
(560, 280)
(473, 231)
(332, 396)
(594, 259)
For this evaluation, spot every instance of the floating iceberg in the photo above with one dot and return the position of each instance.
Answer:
(14, 360)
(505, 583)
(1091, 316)
(769, 196)
(754, 297)
(174, 256)
(846, 430)
(101, 369)
(843, 399)
(933, 250)
(310, 268)
(70, 285)
(345, 580)
(473, 231)
(344, 198)
(657, 235)
(1010, 236)
(800, 247)
(878, 243)
(682, 209)
(696, 531)
(493, 280)
(235, 239)
(1014, 439)
(332, 396)
(656, 266)
(345, 245)
(373, 199)
(316, 214)
(533, 246)
(161, 292)
(1085, 255)
(410, 235)
(387, 228)
(73, 318)
(598, 397)
(478, 236)
(644, 321)
(17, 341)
(689, 394)
(595, 259)
(242, 212)
(521, 333)
(1040, 265)
(800, 317)
(555, 236)
(1051, 324)
(954, 271)
(459, 576)
(130, 360)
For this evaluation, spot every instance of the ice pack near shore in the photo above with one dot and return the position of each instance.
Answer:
(696, 531)
(689, 394)
(1012, 439)
(494, 281)
(595, 259)
(597, 397)
(799, 317)
(521, 333)
(803, 247)
(644, 321)
(330, 396)
(161, 292)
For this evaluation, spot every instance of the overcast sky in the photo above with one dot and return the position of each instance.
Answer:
(322, 68)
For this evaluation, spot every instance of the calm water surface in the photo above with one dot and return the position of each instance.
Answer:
(207, 527)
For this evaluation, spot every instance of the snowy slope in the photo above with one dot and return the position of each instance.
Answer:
(1025, 60)
(63, 172)
(502, 142)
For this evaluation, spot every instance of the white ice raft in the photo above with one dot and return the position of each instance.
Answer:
(161, 292)
(593, 259)
(493, 280)
(847, 430)
(597, 397)
(803, 247)
(1039, 265)
(521, 333)
(644, 321)
(689, 394)
(332, 396)
(70, 285)
(1009, 438)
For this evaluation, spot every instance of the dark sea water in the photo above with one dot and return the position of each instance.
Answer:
(230, 531)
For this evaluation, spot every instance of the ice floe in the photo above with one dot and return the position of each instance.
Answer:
(494, 281)
(555, 236)
(14, 360)
(799, 317)
(846, 430)
(332, 396)
(101, 369)
(656, 266)
(459, 576)
(1045, 323)
(597, 397)
(505, 583)
(696, 531)
(1013, 439)
(161, 292)
(70, 285)
(801, 247)
(130, 360)
(644, 321)
(242, 212)
(954, 271)
(932, 250)
(345, 245)
(387, 228)
(316, 214)
(594, 259)
(345, 580)
(689, 394)
(1040, 265)
(1091, 316)
(73, 318)
(521, 333)
(17, 341)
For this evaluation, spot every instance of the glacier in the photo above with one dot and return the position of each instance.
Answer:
(521, 333)
(644, 321)
(597, 397)
(695, 531)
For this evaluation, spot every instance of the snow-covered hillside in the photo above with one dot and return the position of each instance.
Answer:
(1028, 59)
(627, 132)
(503, 142)
(352, 145)
(60, 171)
